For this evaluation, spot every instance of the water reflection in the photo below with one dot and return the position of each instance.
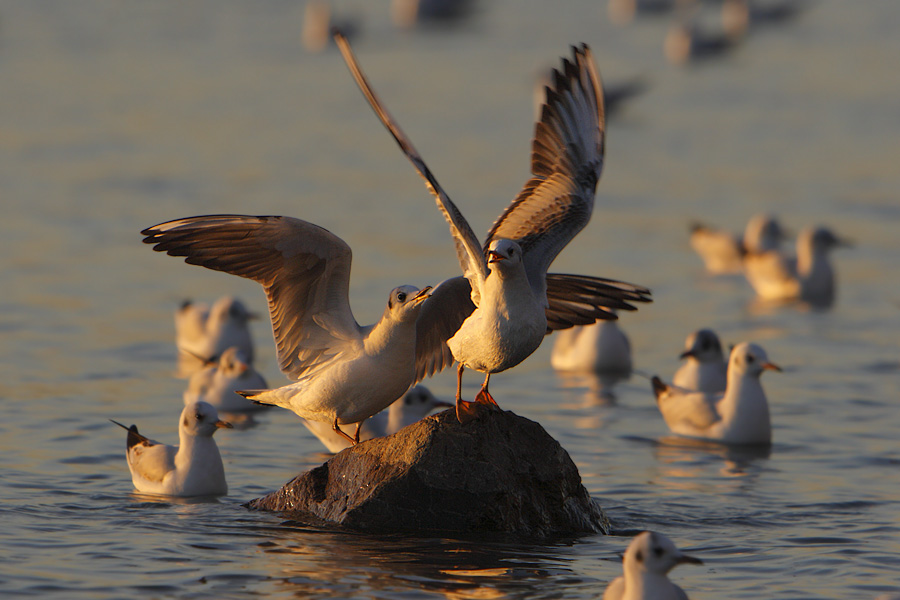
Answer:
(593, 389)
(685, 462)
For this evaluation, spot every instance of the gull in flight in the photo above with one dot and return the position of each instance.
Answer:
(344, 373)
(204, 332)
(739, 415)
(498, 313)
(646, 565)
(704, 369)
(193, 468)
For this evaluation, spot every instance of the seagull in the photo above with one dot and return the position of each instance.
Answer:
(649, 558)
(724, 252)
(600, 348)
(507, 300)
(739, 16)
(193, 468)
(415, 404)
(687, 42)
(344, 373)
(739, 415)
(809, 277)
(219, 382)
(203, 332)
(705, 369)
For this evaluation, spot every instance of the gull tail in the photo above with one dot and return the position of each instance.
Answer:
(134, 438)
(260, 397)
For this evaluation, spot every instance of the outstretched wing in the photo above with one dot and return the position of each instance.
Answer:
(566, 162)
(304, 269)
(581, 299)
(449, 305)
(468, 249)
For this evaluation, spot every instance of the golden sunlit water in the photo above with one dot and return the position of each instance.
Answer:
(115, 116)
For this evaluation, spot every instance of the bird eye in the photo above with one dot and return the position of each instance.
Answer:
(401, 296)
(658, 551)
(199, 416)
(750, 358)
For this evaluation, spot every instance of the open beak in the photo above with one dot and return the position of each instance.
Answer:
(495, 257)
(685, 354)
(224, 424)
(684, 558)
(771, 367)
(423, 294)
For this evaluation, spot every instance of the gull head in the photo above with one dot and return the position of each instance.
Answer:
(405, 302)
(703, 345)
(763, 233)
(420, 399)
(820, 240)
(750, 359)
(651, 552)
(201, 419)
(233, 363)
(504, 256)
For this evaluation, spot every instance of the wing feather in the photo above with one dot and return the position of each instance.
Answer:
(303, 268)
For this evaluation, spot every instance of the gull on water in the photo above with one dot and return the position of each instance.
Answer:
(645, 568)
(219, 382)
(344, 373)
(203, 332)
(704, 369)
(808, 277)
(724, 252)
(507, 301)
(193, 468)
(739, 415)
(599, 348)
(415, 404)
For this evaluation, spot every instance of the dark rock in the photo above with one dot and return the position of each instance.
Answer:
(497, 473)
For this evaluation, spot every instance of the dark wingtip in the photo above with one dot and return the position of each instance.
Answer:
(134, 438)
(658, 386)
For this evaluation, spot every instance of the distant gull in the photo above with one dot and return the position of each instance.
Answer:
(649, 558)
(415, 404)
(739, 415)
(512, 302)
(203, 332)
(724, 252)
(808, 277)
(599, 348)
(687, 42)
(344, 372)
(219, 382)
(739, 16)
(193, 468)
(704, 369)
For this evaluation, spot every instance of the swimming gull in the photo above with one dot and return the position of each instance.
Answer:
(193, 468)
(344, 372)
(724, 252)
(599, 348)
(508, 301)
(646, 564)
(204, 332)
(704, 369)
(219, 382)
(739, 415)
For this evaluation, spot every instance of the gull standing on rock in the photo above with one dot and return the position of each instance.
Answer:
(646, 564)
(344, 373)
(809, 277)
(508, 301)
(218, 383)
(739, 415)
(705, 369)
(193, 468)
(203, 332)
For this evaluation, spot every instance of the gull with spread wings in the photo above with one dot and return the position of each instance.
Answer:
(344, 373)
(496, 315)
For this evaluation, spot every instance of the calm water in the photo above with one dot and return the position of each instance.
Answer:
(118, 115)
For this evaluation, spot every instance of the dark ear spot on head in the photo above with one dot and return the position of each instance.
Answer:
(390, 303)
(184, 421)
(639, 556)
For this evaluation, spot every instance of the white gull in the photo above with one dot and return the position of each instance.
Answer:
(599, 348)
(219, 382)
(704, 369)
(724, 252)
(646, 565)
(344, 372)
(739, 415)
(498, 315)
(204, 332)
(193, 468)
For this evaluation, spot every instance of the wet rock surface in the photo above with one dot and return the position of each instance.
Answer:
(498, 473)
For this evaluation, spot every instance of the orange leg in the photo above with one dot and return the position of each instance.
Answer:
(484, 396)
(353, 440)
